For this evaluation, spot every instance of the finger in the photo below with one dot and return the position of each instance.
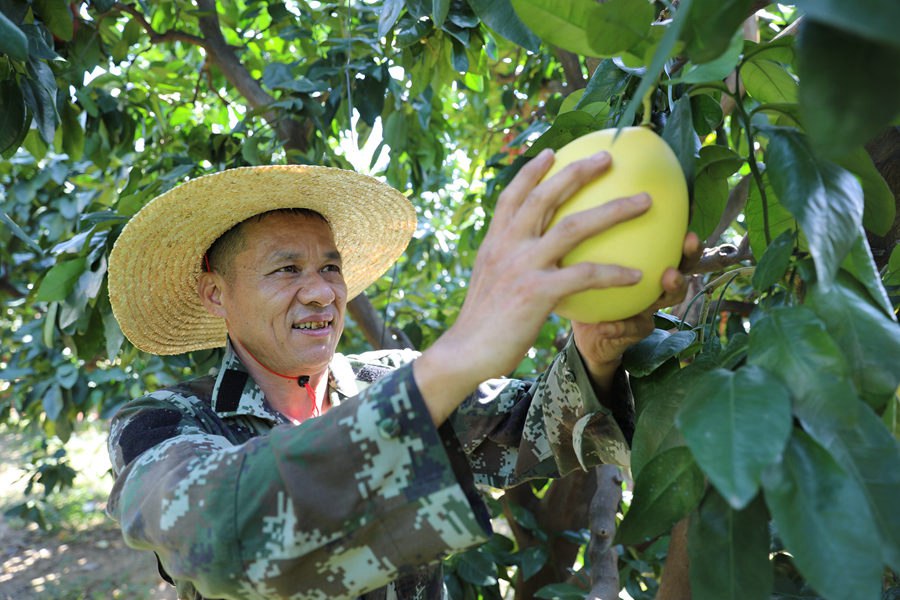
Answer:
(523, 183)
(541, 204)
(691, 252)
(586, 276)
(575, 228)
(634, 328)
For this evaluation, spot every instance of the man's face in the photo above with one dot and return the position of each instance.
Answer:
(284, 296)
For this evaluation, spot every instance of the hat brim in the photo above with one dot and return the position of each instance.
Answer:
(157, 260)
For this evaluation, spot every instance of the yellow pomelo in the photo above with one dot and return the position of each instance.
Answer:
(641, 162)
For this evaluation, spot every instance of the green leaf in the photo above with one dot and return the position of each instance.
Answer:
(60, 280)
(607, 81)
(14, 119)
(566, 127)
(768, 81)
(824, 520)
(57, 16)
(476, 567)
(850, 90)
(669, 487)
(619, 26)
(711, 27)
(880, 206)
(736, 423)
(439, 10)
(715, 70)
(40, 96)
(861, 265)
(679, 134)
(825, 199)
(864, 447)
(67, 375)
(719, 160)
(560, 591)
(780, 220)
(389, 15)
(709, 196)
(774, 263)
(644, 357)
(871, 19)
(53, 402)
(559, 24)
(13, 42)
(19, 233)
(707, 114)
(500, 16)
(531, 560)
(659, 396)
(869, 339)
(665, 49)
(793, 343)
(73, 134)
(729, 551)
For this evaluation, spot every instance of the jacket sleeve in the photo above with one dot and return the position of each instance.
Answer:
(514, 430)
(332, 508)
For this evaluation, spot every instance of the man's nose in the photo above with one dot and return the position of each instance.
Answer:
(315, 289)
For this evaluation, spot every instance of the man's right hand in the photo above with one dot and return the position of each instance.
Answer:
(517, 279)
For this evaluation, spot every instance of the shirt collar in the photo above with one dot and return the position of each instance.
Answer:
(236, 393)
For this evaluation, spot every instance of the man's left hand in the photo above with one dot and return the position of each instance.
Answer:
(601, 345)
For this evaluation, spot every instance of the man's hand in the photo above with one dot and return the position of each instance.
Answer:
(517, 279)
(601, 345)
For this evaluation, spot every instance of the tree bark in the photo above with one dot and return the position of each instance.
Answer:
(603, 555)
(676, 582)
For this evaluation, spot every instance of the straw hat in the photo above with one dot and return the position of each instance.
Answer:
(155, 263)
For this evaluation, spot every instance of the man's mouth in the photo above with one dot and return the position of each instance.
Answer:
(311, 325)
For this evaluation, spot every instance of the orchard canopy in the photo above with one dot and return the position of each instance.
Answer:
(766, 405)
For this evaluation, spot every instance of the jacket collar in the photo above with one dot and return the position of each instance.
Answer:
(236, 393)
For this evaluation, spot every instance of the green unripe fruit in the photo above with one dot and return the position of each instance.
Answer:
(652, 242)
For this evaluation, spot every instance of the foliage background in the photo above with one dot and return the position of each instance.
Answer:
(784, 120)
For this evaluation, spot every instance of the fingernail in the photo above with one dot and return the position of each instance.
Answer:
(642, 200)
(635, 274)
(545, 153)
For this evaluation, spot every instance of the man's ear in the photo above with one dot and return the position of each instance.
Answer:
(209, 286)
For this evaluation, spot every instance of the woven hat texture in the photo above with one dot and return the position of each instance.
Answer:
(156, 261)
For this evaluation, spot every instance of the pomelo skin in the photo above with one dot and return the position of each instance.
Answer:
(652, 242)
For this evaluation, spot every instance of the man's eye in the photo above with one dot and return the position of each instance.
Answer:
(288, 269)
(332, 268)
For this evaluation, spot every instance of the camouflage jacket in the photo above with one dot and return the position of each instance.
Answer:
(366, 499)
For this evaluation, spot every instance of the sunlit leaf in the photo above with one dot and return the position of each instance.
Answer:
(711, 28)
(768, 81)
(561, 24)
(60, 280)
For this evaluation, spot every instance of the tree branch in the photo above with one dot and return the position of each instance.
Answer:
(603, 556)
(158, 37)
(723, 256)
(571, 68)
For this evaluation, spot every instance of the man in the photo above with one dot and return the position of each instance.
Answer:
(298, 473)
